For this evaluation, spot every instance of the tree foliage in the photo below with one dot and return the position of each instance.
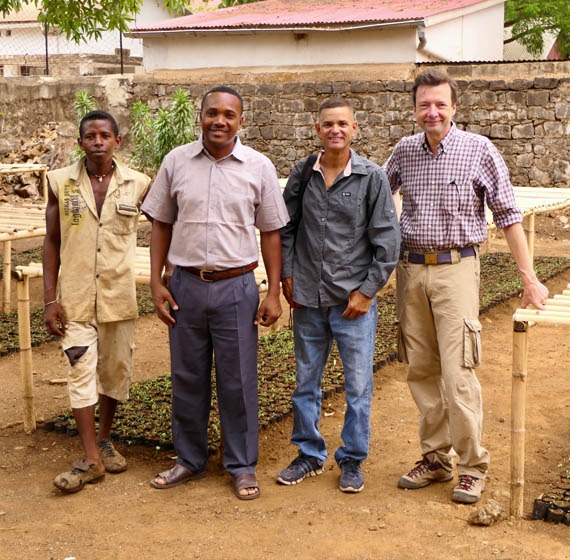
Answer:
(84, 20)
(530, 19)
(155, 135)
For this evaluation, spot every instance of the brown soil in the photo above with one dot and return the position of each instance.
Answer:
(124, 518)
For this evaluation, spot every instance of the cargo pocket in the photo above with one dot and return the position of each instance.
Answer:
(472, 352)
(401, 355)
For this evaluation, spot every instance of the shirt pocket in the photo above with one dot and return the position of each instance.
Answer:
(125, 220)
(472, 351)
(451, 198)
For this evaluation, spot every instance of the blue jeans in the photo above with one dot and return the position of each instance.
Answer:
(315, 330)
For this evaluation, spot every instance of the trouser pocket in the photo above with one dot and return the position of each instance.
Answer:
(472, 351)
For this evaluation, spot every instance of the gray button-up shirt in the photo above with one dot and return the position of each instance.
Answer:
(346, 238)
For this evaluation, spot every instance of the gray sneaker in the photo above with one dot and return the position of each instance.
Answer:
(300, 468)
(423, 474)
(468, 489)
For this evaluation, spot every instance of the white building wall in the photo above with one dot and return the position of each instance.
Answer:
(476, 36)
(177, 51)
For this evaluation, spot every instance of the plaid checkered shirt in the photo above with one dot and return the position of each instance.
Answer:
(444, 195)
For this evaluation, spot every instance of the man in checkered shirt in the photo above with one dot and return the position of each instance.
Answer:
(445, 177)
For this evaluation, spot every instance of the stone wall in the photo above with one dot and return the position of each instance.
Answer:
(523, 108)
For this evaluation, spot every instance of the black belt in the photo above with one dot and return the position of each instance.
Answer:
(439, 257)
(215, 275)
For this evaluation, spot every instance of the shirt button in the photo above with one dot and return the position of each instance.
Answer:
(323, 219)
(99, 248)
(96, 276)
(100, 224)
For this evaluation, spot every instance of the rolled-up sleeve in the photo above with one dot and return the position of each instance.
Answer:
(159, 203)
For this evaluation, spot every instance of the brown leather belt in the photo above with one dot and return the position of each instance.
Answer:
(440, 257)
(215, 275)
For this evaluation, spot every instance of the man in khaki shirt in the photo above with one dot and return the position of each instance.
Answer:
(89, 287)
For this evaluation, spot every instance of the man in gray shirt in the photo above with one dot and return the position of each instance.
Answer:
(339, 248)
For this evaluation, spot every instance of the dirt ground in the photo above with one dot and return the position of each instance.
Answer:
(124, 518)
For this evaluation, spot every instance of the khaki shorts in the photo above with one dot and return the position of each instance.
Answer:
(100, 356)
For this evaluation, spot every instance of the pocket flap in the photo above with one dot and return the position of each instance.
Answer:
(127, 209)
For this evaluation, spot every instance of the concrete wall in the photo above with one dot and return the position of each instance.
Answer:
(523, 108)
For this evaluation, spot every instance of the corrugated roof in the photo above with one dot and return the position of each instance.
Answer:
(311, 13)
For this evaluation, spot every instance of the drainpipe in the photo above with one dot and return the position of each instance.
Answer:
(421, 48)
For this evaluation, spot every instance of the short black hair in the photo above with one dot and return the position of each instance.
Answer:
(223, 89)
(434, 77)
(335, 102)
(98, 116)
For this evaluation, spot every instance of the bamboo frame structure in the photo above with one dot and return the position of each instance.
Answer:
(34, 270)
(17, 222)
(557, 311)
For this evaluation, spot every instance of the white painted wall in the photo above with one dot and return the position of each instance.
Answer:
(183, 51)
(477, 36)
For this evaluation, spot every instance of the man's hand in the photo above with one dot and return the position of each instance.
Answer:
(160, 297)
(269, 311)
(358, 304)
(535, 294)
(287, 285)
(54, 319)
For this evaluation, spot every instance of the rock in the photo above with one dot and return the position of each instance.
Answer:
(487, 515)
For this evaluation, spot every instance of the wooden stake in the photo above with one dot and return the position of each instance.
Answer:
(518, 407)
(7, 276)
(26, 354)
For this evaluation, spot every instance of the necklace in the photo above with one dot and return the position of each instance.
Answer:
(100, 177)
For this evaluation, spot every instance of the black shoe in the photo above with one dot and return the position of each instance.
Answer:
(300, 468)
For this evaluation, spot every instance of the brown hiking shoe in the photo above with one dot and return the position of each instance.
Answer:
(113, 461)
(82, 474)
(423, 474)
(468, 489)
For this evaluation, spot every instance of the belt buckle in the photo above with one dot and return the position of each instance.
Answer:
(430, 258)
(202, 272)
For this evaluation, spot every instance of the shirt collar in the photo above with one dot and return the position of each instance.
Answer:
(444, 144)
(197, 147)
(347, 170)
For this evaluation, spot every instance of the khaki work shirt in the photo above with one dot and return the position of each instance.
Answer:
(97, 270)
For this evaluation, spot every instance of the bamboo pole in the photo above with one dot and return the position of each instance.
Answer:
(26, 354)
(7, 277)
(518, 406)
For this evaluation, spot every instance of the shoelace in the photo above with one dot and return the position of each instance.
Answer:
(422, 467)
(106, 448)
(466, 482)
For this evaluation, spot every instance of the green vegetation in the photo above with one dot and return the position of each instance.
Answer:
(529, 20)
(155, 135)
(145, 417)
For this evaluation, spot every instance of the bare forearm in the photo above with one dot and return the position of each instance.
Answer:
(271, 253)
(160, 238)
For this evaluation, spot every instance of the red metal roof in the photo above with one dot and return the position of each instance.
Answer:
(311, 13)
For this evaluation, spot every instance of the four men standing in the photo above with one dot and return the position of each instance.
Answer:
(338, 244)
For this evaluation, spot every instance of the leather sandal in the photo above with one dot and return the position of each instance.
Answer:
(244, 481)
(175, 476)
(82, 474)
